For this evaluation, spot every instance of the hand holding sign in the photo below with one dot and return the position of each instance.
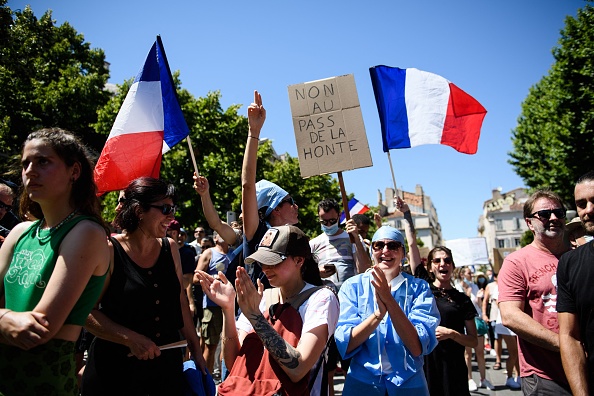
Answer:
(256, 115)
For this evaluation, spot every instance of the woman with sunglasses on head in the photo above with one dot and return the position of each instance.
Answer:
(144, 305)
(52, 269)
(387, 324)
(445, 367)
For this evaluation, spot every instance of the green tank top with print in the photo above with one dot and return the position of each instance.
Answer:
(33, 262)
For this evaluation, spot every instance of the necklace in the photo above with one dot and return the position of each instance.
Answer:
(52, 229)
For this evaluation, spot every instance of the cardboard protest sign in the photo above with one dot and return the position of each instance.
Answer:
(328, 125)
(469, 251)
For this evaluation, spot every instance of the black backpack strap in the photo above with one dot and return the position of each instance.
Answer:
(303, 296)
(321, 364)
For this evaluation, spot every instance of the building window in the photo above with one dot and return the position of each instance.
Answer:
(501, 243)
(516, 242)
(399, 224)
(499, 224)
(518, 223)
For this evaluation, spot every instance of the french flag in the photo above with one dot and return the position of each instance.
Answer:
(355, 207)
(148, 124)
(417, 107)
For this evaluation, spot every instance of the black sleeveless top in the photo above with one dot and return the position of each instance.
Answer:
(146, 300)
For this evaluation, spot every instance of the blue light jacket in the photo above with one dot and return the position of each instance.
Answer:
(357, 303)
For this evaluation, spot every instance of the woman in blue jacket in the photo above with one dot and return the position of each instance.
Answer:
(387, 324)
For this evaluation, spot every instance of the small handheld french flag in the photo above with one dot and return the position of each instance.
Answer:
(355, 207)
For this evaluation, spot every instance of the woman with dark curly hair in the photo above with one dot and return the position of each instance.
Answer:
(144, 305)
(52, 267)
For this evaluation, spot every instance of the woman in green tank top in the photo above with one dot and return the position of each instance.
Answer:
(50, 277)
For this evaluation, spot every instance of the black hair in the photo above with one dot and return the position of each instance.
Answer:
(140, 194)
(361, 219)
(587, 177)
(328, 204)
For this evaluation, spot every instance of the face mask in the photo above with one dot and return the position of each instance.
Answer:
(331, 230)
(588, 238)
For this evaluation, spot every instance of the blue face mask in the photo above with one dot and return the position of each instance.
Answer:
(333, 229)
(588, 238)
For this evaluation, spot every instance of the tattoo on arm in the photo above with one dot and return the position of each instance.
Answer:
(282, 352)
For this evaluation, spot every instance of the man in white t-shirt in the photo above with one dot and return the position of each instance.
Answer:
(338, 255)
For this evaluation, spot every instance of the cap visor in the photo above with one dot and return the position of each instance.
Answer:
(264, 257)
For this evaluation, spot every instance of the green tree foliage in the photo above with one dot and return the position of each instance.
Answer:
(218, 139)
(526, 238)
(555, 133)
(306, 192)
(49, 77)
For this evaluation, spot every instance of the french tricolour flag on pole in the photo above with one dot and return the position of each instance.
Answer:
(355, 207)
(417, 107)
(148, 124)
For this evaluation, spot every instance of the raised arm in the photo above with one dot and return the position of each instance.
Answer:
(362, 259)
(212, 216)
(256, 118)
(411, 234)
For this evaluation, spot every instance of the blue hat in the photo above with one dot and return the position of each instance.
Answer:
(269, 195)
(387, 232)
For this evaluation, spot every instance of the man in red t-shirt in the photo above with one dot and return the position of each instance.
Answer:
(528, 296)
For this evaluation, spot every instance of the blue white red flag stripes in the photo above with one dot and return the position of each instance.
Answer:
(417, 107)
(355, 207)
(148, 124)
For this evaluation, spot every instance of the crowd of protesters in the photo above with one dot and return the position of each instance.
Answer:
(263, 307)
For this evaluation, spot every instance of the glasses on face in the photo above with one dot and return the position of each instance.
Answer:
(392, 245)
(328, 222)
(288, 200)
(5, 207)
(199, 232)
(447, 260)
(545, 214)
(166, 209)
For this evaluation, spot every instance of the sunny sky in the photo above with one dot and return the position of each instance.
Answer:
(495, 51)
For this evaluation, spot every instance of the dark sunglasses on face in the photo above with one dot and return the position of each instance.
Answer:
(328, 222)
(545, 214)
(166, 209)
(392, 245)
(4, 206)
(288, 200)
(447, 260)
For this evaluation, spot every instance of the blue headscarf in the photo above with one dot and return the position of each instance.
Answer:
(269, 195)
(387, 232)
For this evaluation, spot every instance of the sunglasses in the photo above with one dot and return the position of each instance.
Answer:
(447, 260)
(545, 214)
(288, 200)
(166, 209)
(4, 206)
(328, 222)
(392, 245)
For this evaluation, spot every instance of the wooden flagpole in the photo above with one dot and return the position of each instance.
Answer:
(345, 202)
(192, 154)
(393, 177)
